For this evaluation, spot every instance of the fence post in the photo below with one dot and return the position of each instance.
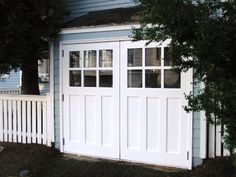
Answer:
(1, 120)
(49, 124)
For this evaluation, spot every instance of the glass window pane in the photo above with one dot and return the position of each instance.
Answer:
(75, 59)
(167, 57)
(90, 58)
(90, 78)
(105, 58)
(105, 78)
(153, 57)
(135, 57)
(135, 78)
(75, 78)
(153, 78)
(171, 79)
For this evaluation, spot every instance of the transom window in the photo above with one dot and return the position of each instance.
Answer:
(151, 68)
(91, 68)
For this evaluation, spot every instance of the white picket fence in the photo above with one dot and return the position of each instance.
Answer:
(10, 91)
(215, 142)
(25, 119)
(211, 139)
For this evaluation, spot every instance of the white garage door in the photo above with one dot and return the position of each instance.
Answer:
(154, 126)
(91, 99)
(122, 100)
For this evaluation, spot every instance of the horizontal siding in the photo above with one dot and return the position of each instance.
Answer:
(12, 82)
(196, 132)
(82, 7)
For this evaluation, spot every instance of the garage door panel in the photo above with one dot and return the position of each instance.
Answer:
(133, 122)
(75, 108)
(107, 121)
(90, 119)
(173, 108)
(153, 113)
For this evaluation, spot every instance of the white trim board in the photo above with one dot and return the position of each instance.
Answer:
(100, 40)
(101, 28)
(52, 89)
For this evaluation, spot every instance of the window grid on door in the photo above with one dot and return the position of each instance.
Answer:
(150, 67)
(91, 68)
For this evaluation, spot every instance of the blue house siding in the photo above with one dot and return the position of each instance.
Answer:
(76, 37)
(78, 8)
(12, 82)
(196, 132)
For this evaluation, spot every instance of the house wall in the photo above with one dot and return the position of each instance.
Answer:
(78, 8)
(196, 132)
(12, 82)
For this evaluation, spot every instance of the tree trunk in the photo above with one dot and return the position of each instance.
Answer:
(30, 84)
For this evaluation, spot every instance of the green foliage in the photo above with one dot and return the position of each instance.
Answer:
(26, 26)
(203, 37)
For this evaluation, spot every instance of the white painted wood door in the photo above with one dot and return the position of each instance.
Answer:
(154, 126)
(91, 99)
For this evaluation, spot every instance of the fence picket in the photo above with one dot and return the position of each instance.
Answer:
(14, 121)
(1, 121)
(19, 121)
(14, 91)
(39, 123)
(9, 121)
(218, 140)
(23, 121)
(33, 122)
(29, 117)
(5, 120)
(44, 123)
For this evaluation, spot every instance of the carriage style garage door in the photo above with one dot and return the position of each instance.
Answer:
(123, 101)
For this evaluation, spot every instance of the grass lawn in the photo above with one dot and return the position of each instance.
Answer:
(45, 162)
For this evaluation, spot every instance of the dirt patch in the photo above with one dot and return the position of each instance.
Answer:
(219, 167)
(46, 162)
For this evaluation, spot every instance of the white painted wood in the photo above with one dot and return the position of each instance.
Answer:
(218, 140)
(51, 91)
(19, 122)
(14, 109)
(44, 124)
(29, 120)
(14, 91)
(39, 123)
(87, 111)
(147, 115)
(5, 132)
(49, 122)
(211, 150)
(154, 126)
(33, 122)
(25, 119)
(9, 106)
(1, 120)
(101, 28)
